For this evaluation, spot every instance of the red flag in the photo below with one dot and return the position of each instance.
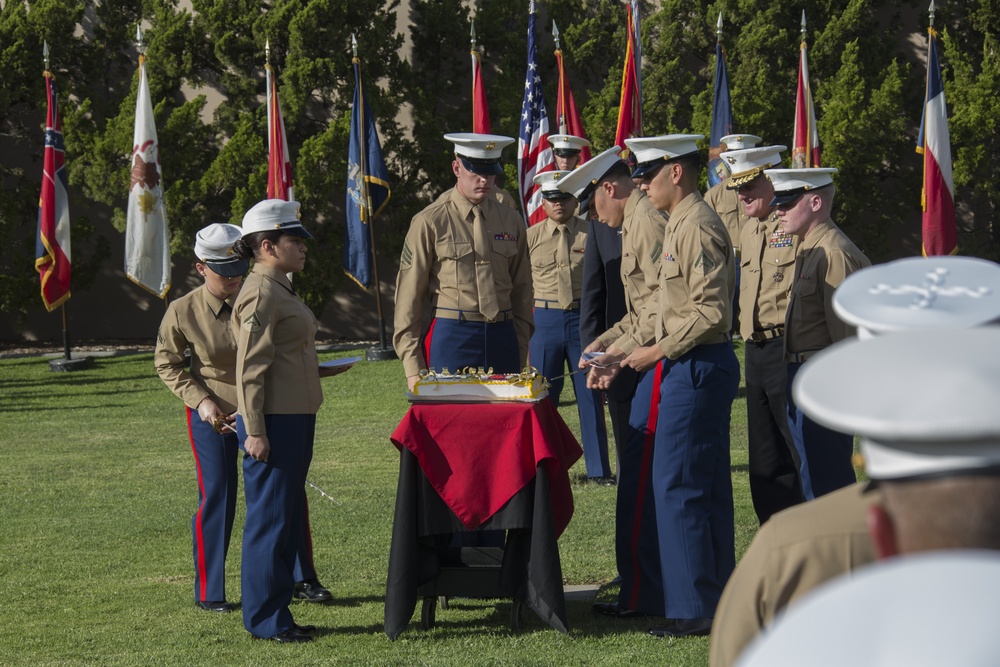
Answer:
(480, 110)
(938, 195)
(805, 145)
(569, 118)
(630, 104)
(279, 164)
(52, 247)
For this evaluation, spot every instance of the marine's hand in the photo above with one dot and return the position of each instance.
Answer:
(644, 358)
(596, 346)
(258, 447)
(411, 382)
(208, 411)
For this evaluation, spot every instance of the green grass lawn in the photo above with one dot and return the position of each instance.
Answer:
(97, 492)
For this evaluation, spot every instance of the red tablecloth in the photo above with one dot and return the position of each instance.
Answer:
(478, 456)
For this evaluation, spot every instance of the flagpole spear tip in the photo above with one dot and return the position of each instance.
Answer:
(555, 33)
(718, 29)
(267, 50)
(472, 35)
(140, 45)
(354, 45)
(45, 54)
(931, 10)
(803, 23)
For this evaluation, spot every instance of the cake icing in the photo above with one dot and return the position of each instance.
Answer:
(479, 385)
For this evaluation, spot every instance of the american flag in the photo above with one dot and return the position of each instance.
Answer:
(534, 155)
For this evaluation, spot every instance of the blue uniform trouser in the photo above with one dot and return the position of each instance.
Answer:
(275, 521)
(555, 342)
(825, 454)
(458, 344)
(637, 549)
(212, 523)
(691, 479)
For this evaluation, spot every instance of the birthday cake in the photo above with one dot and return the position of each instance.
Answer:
(474, 385)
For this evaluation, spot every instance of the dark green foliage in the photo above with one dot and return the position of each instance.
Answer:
(868, 85)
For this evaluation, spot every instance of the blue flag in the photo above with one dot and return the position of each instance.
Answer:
(722, 119)
(367, 187)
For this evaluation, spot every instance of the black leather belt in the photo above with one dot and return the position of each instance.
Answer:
(767, 334)
(471, 315)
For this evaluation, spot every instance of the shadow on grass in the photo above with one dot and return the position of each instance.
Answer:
(65, 406)
(740, 467)
(67, 379)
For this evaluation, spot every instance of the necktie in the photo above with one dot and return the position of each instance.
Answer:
(484, 266)
(564, 273)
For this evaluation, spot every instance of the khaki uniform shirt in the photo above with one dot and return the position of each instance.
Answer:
(766, 271)
(543, 243)
(642, 243)
(824, 258)
(276, 359)
(697, 279)
(793, 553)
(198, 321)
(505, 198)
(438, 266)
(726, 204)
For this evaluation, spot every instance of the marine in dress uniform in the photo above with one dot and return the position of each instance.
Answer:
(935, 456)
(602, 303)
(199, 322)
(467, 256)
(726, 204)
(807, 545)
(766, 266)
(825, 256)
(566, 150)
(604, 187)
(278, 395)
(692, 485)
(556, 247)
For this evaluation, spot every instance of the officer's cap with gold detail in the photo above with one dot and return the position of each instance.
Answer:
(213, 246)
(582, 181)
(651, 153)
(479, 153)
(565, 145)
(548, 180)
(920, 293)
(275, 215)
(924, 402)
(789, 184)
(747, 164)
(735, 142)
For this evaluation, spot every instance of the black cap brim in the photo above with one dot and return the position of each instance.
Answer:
(481, 167)
(555, 195)
(781, 198)
(646, 169)
(296, 229)
(229, 269)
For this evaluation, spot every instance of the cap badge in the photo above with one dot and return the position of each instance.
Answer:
(491, 145)
(925, 295)
(730, 159)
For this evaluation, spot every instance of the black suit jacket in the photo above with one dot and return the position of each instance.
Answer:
(602, 301)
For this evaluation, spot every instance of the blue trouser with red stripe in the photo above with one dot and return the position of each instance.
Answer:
(276, 521)
(692, 481)
(555, 342)
(458, 344)
(212, 523)
(637, 548)
(825, 455)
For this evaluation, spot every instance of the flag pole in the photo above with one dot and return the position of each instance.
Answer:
(380, 353)
(67, 363)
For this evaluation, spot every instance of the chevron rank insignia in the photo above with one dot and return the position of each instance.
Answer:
(252, 323)
(406, 259)
(704, 261)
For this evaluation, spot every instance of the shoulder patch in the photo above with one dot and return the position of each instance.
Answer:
(159, 337)
(252, 323)
(704, 261)
(655, 255)
(406, 258)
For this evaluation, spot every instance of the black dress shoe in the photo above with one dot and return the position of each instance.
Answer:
(615, 611)
(311, 590)
(304, 629)
(222, 607)
(683, 627)
(604, 481)
(290, 636)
